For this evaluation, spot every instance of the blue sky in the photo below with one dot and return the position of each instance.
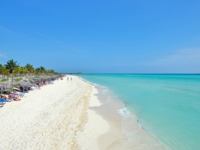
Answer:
(102, 36)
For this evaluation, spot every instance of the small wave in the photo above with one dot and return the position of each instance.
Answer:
(124, 112)
(142, 126)
(105, 90)
(139, 124)
(91, 83)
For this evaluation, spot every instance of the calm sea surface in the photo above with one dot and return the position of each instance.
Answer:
(167, 106)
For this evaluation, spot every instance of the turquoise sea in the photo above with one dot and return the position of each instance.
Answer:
(167, 105)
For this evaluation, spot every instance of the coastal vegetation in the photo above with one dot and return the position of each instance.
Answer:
(13, 69)
(13, 75)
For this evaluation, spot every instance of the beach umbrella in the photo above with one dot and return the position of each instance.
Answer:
(32, 81)
(25, 83)
(6, 85)
(36, 79)
(16, 83)
(1, 87)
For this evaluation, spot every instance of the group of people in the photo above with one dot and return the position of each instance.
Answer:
(10, 96)
(69, 78)
(18, 93)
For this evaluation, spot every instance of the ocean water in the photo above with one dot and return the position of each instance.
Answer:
(167, 106)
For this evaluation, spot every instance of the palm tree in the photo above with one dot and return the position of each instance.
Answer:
(37, 70)
(17, 70)
(49, 71)
(11, 65)
(30, 68)
(40, 70)
(23, 70)
(3, 70)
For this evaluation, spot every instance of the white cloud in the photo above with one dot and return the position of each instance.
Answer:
(47, 37)
(184, 60)
(2, 53)
(5, 29)
(190, 56)
(61, 43)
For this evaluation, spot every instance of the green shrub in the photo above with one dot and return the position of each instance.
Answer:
(17, 79)
(3, 80)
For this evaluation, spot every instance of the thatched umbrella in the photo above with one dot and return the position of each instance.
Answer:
(16, 83)
(36, 80)
(31, 80)
(5, 86)
(25, 83)
(1, 87)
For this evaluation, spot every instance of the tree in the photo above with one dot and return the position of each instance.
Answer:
(40, 70)
(11, 65)
(17, 70)
(3, 70)
(23, 70)
(13, 68)
(49, 71)
(30, 68)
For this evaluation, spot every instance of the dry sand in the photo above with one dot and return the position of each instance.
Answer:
(56, 117)
(67, 115)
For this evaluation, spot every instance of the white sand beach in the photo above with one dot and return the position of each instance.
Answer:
(66, 115)
(56, 117)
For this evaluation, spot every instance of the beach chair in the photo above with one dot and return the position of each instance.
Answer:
(16, 89)
(22, 94)
(6, 97)
(2, 102)
(18, 95)
(6, 92)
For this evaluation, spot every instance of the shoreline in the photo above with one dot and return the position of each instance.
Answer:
(66, 115)
(124, 130)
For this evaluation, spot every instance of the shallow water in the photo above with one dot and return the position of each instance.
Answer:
(166, 106)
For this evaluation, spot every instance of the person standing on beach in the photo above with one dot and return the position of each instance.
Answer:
(39, 85)
(71, 78)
